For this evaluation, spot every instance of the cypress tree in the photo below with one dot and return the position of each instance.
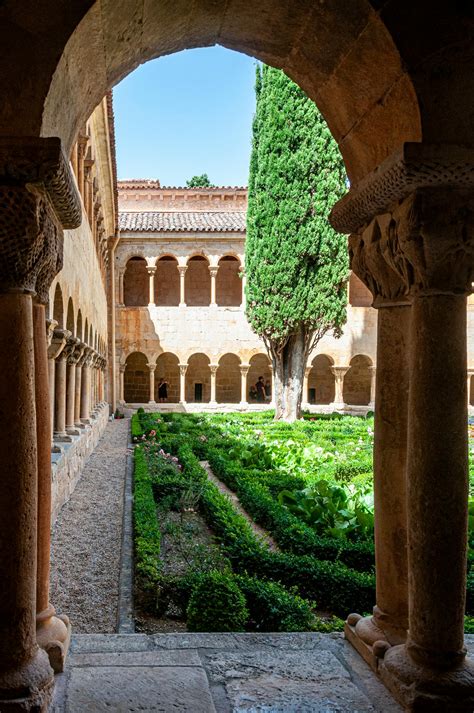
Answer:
(296, 264)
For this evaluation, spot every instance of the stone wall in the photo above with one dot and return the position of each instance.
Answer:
(67, 466)
(136, 283)
(151, 197)
(357, 380)
(321, 379)
(167, 368)
(228, 283)
(198, 372)
(198, 282)
(167, 282)
(137, 379)
(228, 380)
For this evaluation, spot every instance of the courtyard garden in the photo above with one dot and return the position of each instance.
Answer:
(247, 524)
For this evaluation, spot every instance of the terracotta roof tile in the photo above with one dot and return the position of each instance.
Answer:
(186, 221)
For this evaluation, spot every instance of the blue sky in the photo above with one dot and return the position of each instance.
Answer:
(186, 114)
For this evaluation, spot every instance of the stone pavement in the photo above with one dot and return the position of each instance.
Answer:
(218, 673)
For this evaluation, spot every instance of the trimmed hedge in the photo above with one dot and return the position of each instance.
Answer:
(146, 529)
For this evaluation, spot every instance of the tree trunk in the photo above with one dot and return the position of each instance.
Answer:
(289, 365)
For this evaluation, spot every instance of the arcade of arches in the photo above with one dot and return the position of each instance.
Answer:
(395, 84)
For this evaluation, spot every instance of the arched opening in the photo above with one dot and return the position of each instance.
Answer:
(136, 379)
(198, 379)
(359, 295)
(198, 282)
(136, 283)
(86, 333)
(167, 368)
(167, 282)
(79, 325)
(259, 367)
(357, 381)
(228, 282)
(58, 307)
(70, 322)
(321, 381)
(228, 380)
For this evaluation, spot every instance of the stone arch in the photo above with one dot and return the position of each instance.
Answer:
(86, 332)
(136, 379)
(79, 325)
(321, 381)
(58, 306)
(70, 322)
(198, 282)
(229, 282)
(91, 336)
(356, 388)
(167, 281)
(198, 378)
(228, 380)
(136, 283)
(167, 368)
(259, 366)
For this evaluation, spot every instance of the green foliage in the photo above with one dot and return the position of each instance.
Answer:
(201, 181)
(332, 509)
(273, 608)
(296, 265)
(146, 529)
(217, 604)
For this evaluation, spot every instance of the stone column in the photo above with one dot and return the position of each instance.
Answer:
(244, 370)
(78, 383)
(59, 433)
(213, 368)
(305, 399)
(52, 632)
(152, 368)
(151, 272)
(120, 284)
(182, 294)
(373, 372)
(389, 623)
(213, 269)
(36, 193)
(122, 368)
(339, 373)
(182, 383)
(86, 386)
(424, 231)
(57, 343)
(81, 148)
(71, 360)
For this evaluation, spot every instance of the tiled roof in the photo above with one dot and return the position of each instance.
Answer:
(186, 221)
(149, 183)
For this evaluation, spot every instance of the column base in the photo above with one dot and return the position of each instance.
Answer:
(337, 406)
(423, 690)
(369, 638)
(213, 404)
(53, 634)
(28, 688)
(79, 425)
(72, 431)
(243, 404)
(182, 403)
(62, 438)
(86, 421)
(56, 449)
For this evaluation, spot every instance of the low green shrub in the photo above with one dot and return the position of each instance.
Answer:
(146, 529)
(217, 604)
(273, 608)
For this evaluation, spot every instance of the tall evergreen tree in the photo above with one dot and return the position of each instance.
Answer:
(296, 264)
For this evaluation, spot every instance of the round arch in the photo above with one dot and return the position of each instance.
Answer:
(321, 381)
(198, 379)
(167, 281)
(357, 381)
(228, 379)
(79, 325)
(70, 321)
(136, 283)
(167, 369)
(229, 282)
(136, 379)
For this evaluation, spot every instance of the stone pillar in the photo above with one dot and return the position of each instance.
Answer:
(373, 373)
(213, 269)
(182, 383)
(339, 374)
(426, 236)
(60, 391)
(71, 360)
(182, 293)
(86, 386)
(37, 193)
(244, 370)
(122, 368)
(81, 149)
(120, 284)
(78, 383)
(305, 399)
(213, 368)
(152, 368)
(52, 632)
(151, 272)
(57, 344)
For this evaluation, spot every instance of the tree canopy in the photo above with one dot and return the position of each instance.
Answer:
(201, 181)
(296, 264)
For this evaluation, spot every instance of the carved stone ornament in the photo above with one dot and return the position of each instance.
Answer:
(413, 166)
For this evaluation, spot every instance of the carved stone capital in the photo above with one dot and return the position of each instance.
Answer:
(244, 369)
(58, 342)
(76, 353)
(122, 368)
(414, 166)
(69, 349)
(151, 367)
(182, 269)
(151, 269)
(213, 269)
(213, 368)
(51, 325)
(340, 371)
(182, 369)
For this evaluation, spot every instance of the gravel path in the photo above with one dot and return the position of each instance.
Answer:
(259, 531)
(86, 539)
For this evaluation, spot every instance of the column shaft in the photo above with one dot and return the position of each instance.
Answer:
(182, 383)
(85, 393)
(70, 395)
(244, 370)
(77, 395)
(60, 397)
(213, 383)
